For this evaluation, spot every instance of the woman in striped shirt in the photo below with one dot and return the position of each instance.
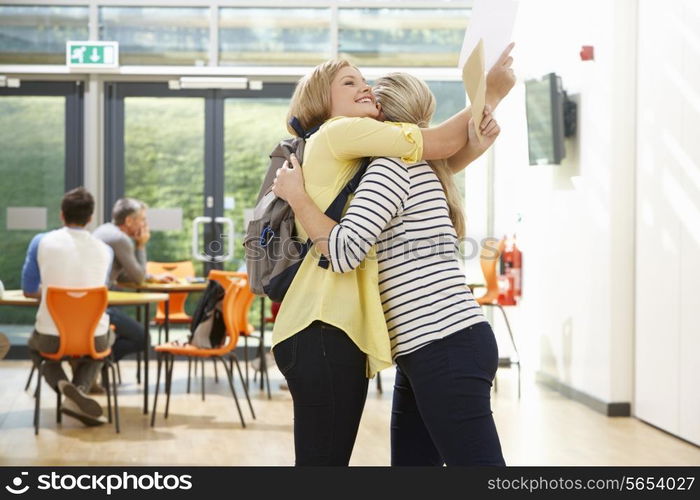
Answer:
(330, 334)
(443, 346)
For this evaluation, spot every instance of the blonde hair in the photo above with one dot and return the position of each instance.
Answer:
(311, 101)
(405, 98)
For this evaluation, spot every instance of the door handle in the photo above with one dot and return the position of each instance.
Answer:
(229, 251)
(196, 253)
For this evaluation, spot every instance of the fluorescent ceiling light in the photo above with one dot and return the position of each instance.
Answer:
(208, 82)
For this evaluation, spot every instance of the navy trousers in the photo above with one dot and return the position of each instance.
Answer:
(129, 333)
(441, 411)
(325, 372)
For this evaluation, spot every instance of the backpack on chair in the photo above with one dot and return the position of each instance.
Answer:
(208, 329)
(273, 251)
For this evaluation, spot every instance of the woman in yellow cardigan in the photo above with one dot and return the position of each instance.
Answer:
(445, 351)
(330, 333)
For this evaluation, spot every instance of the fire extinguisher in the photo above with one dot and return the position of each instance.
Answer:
(510, 279)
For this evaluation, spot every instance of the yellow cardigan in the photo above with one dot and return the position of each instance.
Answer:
(349, 301)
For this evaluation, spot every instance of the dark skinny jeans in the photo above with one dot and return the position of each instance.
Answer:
(441, 412)
(325, 372)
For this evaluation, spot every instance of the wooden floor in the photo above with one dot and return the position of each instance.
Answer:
(542, 429)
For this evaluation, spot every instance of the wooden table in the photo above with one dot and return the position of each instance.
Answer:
(183, 287)
(17, 298)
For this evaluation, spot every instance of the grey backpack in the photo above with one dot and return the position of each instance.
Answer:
(272, 249)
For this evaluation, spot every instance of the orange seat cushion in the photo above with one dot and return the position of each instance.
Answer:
(190, 350)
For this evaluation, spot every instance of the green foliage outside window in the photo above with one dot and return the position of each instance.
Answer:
(31, 175)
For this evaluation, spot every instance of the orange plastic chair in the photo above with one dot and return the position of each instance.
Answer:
(77, 313)
(246, 328)
(489, 262)
(176, 314)
(166, 352)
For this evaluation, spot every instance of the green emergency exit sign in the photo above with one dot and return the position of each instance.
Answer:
(92, 54)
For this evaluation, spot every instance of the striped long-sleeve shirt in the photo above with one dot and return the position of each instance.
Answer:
(402, 208)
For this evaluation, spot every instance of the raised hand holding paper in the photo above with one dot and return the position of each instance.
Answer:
(475, 84)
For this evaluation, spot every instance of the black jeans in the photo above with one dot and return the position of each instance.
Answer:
(129, 333)
(325, 372)
(441, 411)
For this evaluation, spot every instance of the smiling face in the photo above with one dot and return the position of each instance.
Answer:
(351, 96)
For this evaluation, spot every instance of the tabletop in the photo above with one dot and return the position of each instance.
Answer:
(165, 287)
(17, 298)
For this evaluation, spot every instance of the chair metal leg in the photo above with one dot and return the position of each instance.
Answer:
(245, 389)
(264, 375)
(189, 373)
(138, 367)
(229, 373)
(119, 373)
(155, 397)
(267, 383)
(261, 353)
(160, 329)
(114, 395)
(512, 341)
(170, 362)
(379, 383)
(202, 367)
(37, 398)
(105, 384)
(29, 379)
(58, 407)
(510, 332)
(216, 373)
(245, 358)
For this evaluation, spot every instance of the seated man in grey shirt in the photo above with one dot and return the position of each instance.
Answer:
(127, 235)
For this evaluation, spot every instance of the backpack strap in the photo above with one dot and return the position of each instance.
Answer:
(335, 209)
(296, 125)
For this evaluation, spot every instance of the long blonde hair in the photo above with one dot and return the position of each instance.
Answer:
(405, 98)
(311, 101)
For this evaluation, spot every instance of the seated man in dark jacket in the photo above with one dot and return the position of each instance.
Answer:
(127, 235)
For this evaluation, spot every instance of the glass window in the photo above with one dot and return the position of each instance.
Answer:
(248, 142)
(164, 165)
(270, 36)
(402, 37)
(32, 169)
(38, 35)
(450, 98)
(158, 35)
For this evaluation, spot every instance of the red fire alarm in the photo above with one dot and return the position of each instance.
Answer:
(587, 53)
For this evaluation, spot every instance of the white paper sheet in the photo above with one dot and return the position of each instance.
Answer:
(492, 21)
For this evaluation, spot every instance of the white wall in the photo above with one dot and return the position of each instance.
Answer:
(668, 222)
(575, 321)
